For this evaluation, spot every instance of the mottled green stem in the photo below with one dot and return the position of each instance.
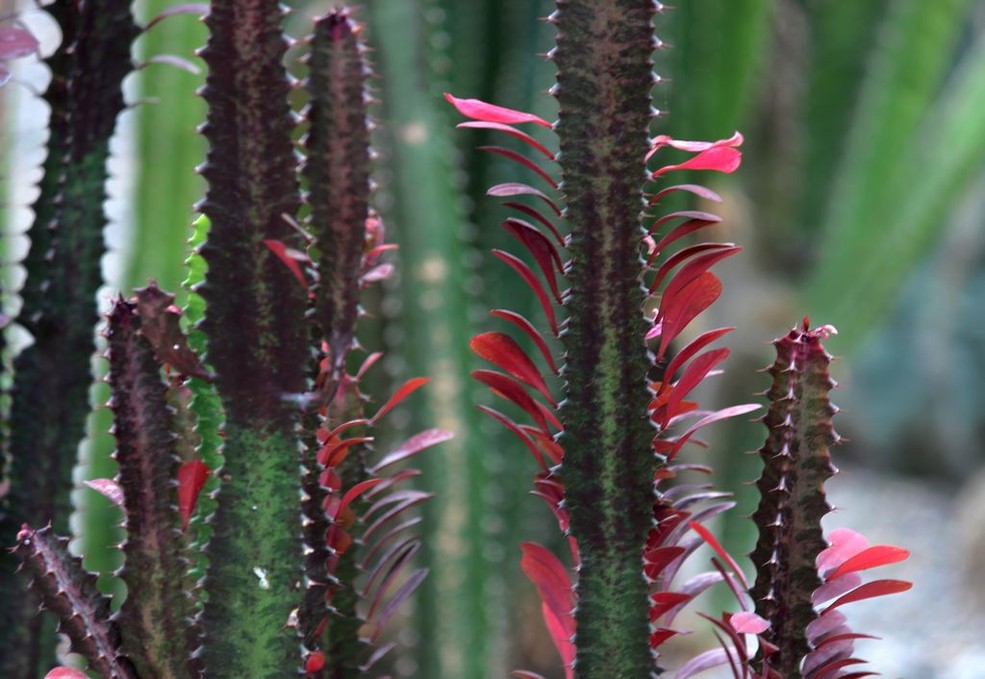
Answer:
(796, 464)
(256, 344)
(603, 90)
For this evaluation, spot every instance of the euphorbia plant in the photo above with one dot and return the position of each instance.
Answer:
(255, 387)
(606, 445)
(305, 542)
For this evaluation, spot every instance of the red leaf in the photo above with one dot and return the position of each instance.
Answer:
(315, 662)
(870, 590)
(531, 332)
(695, 268)
(522, 160)
(502, 351)
(512, 131)
(355, 492)
(405, 390)
(679, 257)
(535, 214)
(695, 372)
(531, 280)
(515, 428)
(543, 251)
(332, 455)
(289, 257)
(510, 389)
(880, 555)
(553, 584)
(412, 446)
(665, 601)
(490, 113)
(519, 189)
(682, 308)
(192, 476)
(693, 347)
(717, 546)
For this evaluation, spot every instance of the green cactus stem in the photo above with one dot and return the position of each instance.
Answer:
(796, 464)
(50, 395)
(256, 344)
(604, 81)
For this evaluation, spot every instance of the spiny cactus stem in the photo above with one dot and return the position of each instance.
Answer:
(604, 79)
(796, 464)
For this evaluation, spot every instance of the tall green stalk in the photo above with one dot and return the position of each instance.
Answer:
(256, 343)
(603, 91)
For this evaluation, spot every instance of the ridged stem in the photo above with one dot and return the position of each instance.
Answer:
(603, 90)
(50, 396)
(796, 464)
(256, 344)
(157, 609)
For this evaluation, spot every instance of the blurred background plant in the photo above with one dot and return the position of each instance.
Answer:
(861, 203)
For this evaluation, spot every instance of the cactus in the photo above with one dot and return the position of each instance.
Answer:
(259, 390)
(247, 447)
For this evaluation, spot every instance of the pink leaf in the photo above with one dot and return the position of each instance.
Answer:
(192, 476)
(412, 446)
(490, 113)
(748, 623)
(716, 657)
(510, 189)
(670, 448)
(844, 544)
(405, 390)
(696, 189)
(15, 43)
(66, 673)
(109, 489)
(502, 351)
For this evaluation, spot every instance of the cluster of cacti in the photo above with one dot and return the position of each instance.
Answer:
(252, 392)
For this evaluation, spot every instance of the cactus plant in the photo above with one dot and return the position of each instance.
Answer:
(245, 442)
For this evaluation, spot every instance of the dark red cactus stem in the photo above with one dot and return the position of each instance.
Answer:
(796, 464)
(70, 592)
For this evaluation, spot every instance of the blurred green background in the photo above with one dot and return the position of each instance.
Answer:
(861, 202)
